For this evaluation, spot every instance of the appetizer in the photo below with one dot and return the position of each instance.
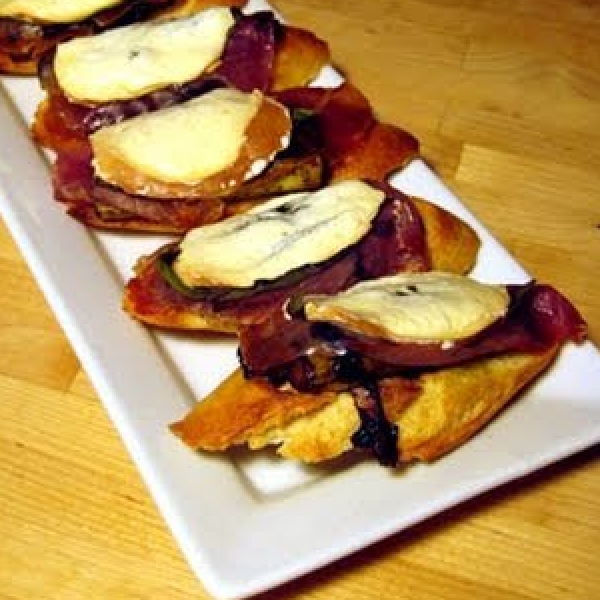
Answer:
(227, 275)
(177, 168)
(129, 114)
(31, 28)
(406, 367)
(103, 79)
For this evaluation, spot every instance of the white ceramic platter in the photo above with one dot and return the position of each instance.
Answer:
(248, 523)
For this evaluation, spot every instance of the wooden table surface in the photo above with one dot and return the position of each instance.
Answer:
(505, 98)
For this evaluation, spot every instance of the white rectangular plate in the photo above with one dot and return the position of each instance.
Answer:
(248, 523)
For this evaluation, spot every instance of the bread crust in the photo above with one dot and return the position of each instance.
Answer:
(453, 244)
(235, 418)
(12, 67)
(435, 413)
(299, 58)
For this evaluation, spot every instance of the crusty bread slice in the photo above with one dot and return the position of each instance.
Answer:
(452, 245)
(299, 58)
(435, 413)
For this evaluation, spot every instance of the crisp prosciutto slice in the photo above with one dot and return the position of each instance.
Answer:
(98, 204)
(397, 232)
(249, 55)
(356, 144)
(311, 354)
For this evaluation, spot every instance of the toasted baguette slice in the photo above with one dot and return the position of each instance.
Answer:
(299, 58)
(452, 244)
(435, 413)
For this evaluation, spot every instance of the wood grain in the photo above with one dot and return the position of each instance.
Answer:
(505, 98)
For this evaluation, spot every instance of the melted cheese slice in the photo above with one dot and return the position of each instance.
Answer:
(185, 143)
(281, 235)
(131, 61)
(415, 307)
(53, 11)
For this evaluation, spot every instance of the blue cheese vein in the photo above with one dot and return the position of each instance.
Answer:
(283, 234)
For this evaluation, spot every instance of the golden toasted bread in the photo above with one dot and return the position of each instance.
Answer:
(13, 67)
(185, 8)
(435, 412)
(299, 58)
(453, 244)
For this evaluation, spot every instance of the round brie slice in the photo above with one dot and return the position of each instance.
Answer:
(279, 236)
(183, 144)
(53, 11)
(130, 61)
(413, 307)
